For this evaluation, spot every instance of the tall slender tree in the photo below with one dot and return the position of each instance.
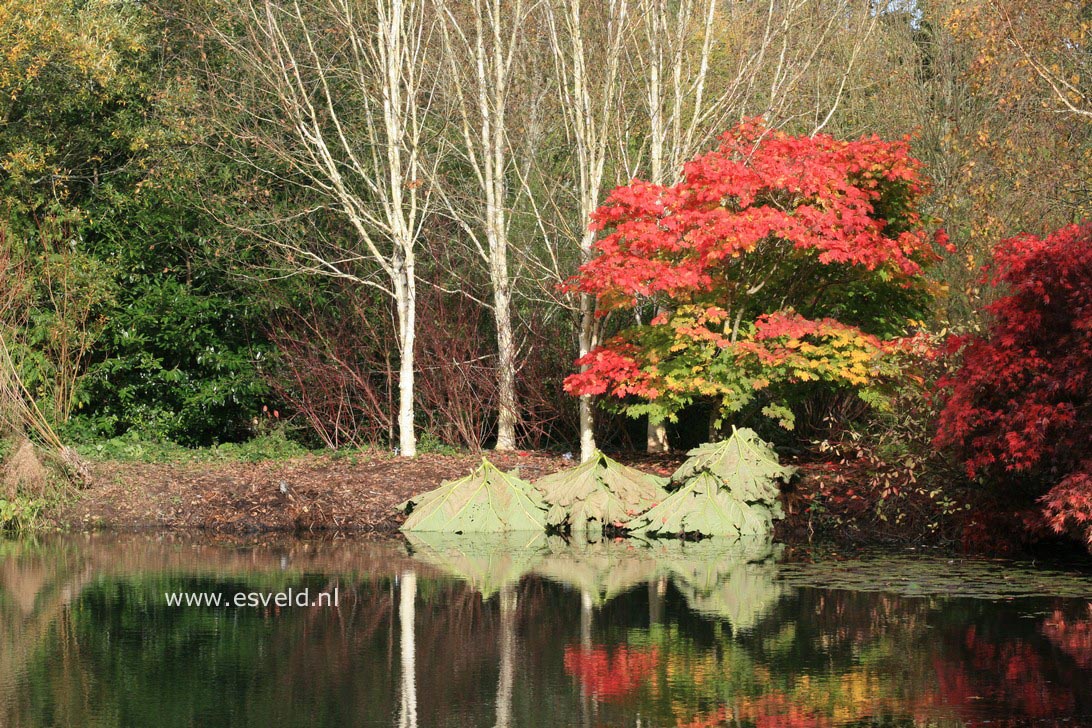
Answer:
(481, 40)
(335, 99)
(588, 44)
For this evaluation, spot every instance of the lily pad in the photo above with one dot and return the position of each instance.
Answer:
(925, 575)
(487, 500)
(727, 488)
(597, 493)
(488, 562)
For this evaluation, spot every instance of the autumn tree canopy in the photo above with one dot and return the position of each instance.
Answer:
(1020, 404)
(778, 260)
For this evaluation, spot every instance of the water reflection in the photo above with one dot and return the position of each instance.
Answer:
(513, 631)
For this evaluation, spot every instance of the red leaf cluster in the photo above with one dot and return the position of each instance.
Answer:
(760, 186)
(1020, 404)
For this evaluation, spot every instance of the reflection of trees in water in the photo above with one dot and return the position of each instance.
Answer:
(676, 632)
(1015, 665)
(38, 582)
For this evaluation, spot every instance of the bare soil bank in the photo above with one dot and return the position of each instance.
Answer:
(315, 493)
(359, 494)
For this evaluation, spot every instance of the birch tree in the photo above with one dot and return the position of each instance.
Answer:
(331, 98)
(588, 45)
(481, 39)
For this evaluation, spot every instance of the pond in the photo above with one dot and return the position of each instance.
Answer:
(530, 631)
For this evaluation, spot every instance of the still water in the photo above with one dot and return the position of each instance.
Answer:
(530, 631)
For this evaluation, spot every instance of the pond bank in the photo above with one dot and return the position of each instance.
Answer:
(359, 492)
(350, 493)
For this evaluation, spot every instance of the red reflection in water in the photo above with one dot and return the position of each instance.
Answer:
(1072, 636)
(1009, 673)
(610, 675)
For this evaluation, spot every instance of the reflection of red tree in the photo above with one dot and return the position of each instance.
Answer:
(1008, 674)
(777, 710)
(1072, 636)
(608, 676)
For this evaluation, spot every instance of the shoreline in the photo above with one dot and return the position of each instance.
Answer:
(357, 495)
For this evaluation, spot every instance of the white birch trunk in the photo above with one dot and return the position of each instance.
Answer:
(407, 602)
(363, 160)
(479, 56)
(589, 82)
(406, 302)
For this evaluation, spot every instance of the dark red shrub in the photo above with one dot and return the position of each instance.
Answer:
(1020, 404)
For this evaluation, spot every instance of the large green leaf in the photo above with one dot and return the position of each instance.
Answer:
(727, 488)
(744, 463)
(597, 493)
(488, 562)
(487, 500)
(703, 506)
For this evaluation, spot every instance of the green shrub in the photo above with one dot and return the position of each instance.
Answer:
(20, 514)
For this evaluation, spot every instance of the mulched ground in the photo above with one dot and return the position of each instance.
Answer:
(348, 494)
(359, 494)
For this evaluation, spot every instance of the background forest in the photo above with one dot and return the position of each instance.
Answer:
(351, 223)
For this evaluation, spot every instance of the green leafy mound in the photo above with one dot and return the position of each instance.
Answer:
(597, 493)
(487, 500)
(727, 488)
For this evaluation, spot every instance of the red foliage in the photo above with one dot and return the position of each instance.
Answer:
(1021, 403)
(749, 237)
(815, 192)
(609, 676)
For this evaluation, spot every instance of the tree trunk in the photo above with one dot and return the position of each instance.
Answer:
(406, 299)
(656, 439)
(507, 412)
(586, 343)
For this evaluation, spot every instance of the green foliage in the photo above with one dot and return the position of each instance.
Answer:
(430, 443)
(724, 489)
(487, 500)
(747, 466)
(702, 506)
(597, 493)
(130, 447)
(132, 321)
(177, 367)
(20, 514)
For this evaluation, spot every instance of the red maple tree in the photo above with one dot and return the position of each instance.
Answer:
(1020, 405)
(778, 259)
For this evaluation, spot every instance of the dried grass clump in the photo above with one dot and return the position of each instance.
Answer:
(20, 414)
(24, 473)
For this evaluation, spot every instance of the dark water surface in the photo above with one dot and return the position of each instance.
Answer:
(529, 631)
